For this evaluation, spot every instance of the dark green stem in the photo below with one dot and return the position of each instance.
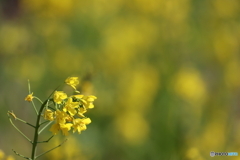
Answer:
(51, 149)
(38, 124)
(35, 140)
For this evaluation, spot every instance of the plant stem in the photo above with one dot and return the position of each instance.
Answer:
(35, 140)
(37, 126)
(19, 130)
(45, 127)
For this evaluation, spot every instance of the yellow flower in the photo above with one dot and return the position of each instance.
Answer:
(59, 126)
(88, 101)
(2, 154)
(55, 128)
(29, 97)
(59, 96)
(70, 107)
(80, 124)
(61, 116)
(48, 115)
(78, 96)
(81, 111)
(72, 81)
(65, 128)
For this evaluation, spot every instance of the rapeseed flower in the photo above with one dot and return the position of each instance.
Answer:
(71, 106)
(72, 81)
(59, 96)
(88, 101)
(80, 124)
(29, 97)
(48, 115)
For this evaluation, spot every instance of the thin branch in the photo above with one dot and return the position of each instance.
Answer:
(34, 107)
(16, 118)
(51, 149)
(38, 99)
(52, 108)
(46, 140)
(19, 130)
(45, 127)
(43, 123)
(29, 87)
(21, 155)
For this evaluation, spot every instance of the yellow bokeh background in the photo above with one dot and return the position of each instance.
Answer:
(166, 74)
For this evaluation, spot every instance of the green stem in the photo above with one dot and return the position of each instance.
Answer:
(51, 149)
(38, 99)
(34, 107)
(44, 127)
(43, 122)
(38, 123)
(25, 122)
(47, 140)
(21, 155)
(35, 140)
(19, 130)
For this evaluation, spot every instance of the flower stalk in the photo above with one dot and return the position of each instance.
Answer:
(66, 111)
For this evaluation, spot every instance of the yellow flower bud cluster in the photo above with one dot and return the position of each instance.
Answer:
(69, 110)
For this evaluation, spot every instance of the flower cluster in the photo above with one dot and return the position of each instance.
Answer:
(68, 111)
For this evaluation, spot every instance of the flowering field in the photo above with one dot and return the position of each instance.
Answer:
(163, 75)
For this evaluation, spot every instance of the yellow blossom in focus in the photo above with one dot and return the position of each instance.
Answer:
(80, 124)
(78, 96)
(61, 116)
(59, 96)
(59, 126)
(65, 128)
(55, 128)
(48, 115)
(71, 106)
(69, 118)
(88, 101)
(81, 111)
(72, 81)
(29, 97)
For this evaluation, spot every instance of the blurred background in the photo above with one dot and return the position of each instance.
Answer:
(166, 74)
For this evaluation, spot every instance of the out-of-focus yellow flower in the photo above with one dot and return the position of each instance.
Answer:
(10, 158)
(59, 96)
(71, 106)
(133, 126)
(29, 97)
(2, 154)
(80, 124)
(190, 85)
(72, 81)
(88, 101)
(48, 115)
(193, 153)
